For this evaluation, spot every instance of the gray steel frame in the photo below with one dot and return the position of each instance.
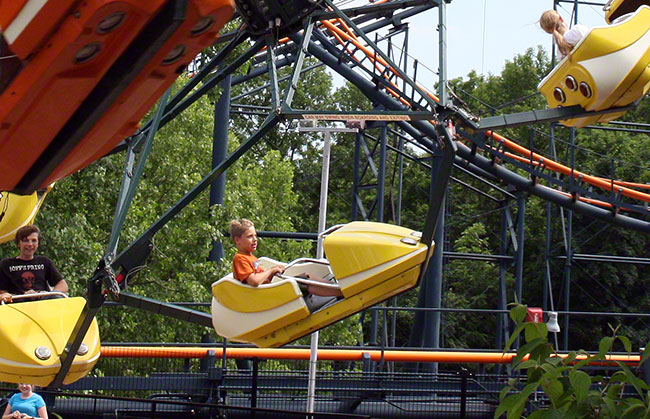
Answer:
(434, 138)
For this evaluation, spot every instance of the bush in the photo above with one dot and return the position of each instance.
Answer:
(571, 392)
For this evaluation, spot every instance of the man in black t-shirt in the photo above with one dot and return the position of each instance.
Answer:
(28, 273)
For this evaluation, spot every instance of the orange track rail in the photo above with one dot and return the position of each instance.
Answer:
(332, 355)
(605, 184)
(602, 183)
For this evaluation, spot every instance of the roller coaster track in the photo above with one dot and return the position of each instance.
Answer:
(341, 42)
(597, 196)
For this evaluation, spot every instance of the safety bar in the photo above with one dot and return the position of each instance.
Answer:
(303, 260)
(37, 295)
(330, 230)
(310, 282)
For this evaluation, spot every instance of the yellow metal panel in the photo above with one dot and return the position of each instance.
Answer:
(602, 61)
(17, 210)
(373, 227)
(277, 324)
(383, 275)
(639, 88)
(340, 310)
(247, 299)
(360, 246)
(49, 323)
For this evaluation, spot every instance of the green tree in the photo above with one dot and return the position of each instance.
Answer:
(470, 284)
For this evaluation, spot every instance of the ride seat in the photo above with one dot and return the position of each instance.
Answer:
(615, 9)
(265, 308)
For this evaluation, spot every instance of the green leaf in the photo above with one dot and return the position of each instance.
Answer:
(520, 405)
(551, 372)
(626, 343)
(610, 406)
(553, 389)
(514, 335)
(639, 385)
(580, 381)
(542, 352)
(548, 367)
(633, 412)
(527, 364)
(526, 350)
(504, 392)
(571, 356)
(537, 414)
(535, 331)
(535, 374)
(632, 401)
(618, 376)
(586, 361)
(517, 412)
(613, 391)
(506, 405)
(518, 313)
(558, 414)
(605, 346)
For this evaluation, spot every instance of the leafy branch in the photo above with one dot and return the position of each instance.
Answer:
(570, 391)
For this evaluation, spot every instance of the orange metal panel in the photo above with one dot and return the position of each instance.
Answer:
(123, 117)
(8, 11)
(54, 82)
(36, 31)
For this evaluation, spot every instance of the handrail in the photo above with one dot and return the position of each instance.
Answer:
(495, 357)
(330, 230)
(37, 295)
(303, 260)
(309, 281)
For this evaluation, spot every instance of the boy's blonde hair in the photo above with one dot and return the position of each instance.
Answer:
(239, 227)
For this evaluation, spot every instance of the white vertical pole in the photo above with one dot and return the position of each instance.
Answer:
(322, 219)
(324, 183)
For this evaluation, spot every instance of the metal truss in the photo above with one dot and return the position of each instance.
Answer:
(340, 39)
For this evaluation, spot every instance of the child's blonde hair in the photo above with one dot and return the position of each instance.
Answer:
(239, 226)
(552, 23)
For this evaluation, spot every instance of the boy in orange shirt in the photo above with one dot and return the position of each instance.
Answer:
(246, 267)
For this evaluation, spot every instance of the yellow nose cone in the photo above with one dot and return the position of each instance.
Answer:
(359, 246)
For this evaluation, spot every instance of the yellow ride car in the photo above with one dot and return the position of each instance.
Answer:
(370, 261)
(608, 68)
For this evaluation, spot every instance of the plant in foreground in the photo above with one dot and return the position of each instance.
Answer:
(570, 392)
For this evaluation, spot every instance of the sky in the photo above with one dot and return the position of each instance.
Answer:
(483, 34)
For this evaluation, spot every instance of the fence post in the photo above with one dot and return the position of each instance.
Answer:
(464, 375)
(366, 362)
(256, 363)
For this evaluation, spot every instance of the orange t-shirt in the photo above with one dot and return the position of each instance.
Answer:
(245, 265)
